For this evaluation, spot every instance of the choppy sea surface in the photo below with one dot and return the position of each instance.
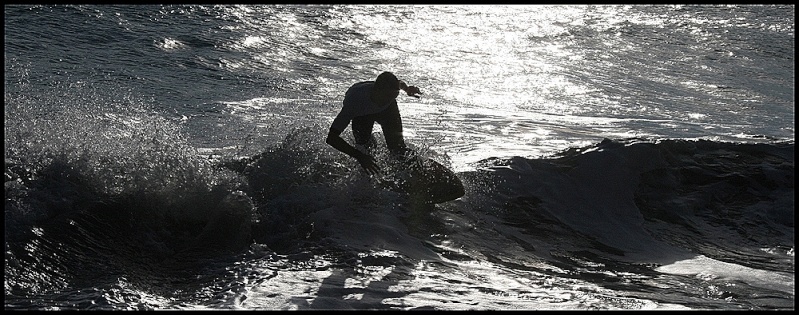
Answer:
(614, 157)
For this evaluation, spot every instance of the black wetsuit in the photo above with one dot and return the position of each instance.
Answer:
(363, 113)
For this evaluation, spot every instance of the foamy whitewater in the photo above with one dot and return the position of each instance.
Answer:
(614, 157)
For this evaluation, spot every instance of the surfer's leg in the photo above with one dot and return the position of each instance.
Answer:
(391, 123)
(362, 131)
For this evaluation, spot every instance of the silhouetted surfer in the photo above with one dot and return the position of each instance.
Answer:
(364, 104)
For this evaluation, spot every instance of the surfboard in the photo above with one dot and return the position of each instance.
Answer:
(424, 180)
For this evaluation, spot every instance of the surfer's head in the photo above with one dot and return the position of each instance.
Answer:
(386, 87)
(387, 81)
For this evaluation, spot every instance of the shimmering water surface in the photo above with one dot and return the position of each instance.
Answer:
(615, 157)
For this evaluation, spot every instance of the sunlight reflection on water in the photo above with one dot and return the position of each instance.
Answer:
(524, 80)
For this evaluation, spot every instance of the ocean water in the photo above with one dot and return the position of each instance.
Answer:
(614, 157)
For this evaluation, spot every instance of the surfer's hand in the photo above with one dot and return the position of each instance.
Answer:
(412, 91)
(368, 164)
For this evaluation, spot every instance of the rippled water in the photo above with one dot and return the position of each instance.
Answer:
(116, 118)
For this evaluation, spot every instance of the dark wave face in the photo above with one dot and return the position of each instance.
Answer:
(654, 202)
(628, 206)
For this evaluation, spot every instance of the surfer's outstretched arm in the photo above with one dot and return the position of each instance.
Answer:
(411, 90)
(367, 162)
